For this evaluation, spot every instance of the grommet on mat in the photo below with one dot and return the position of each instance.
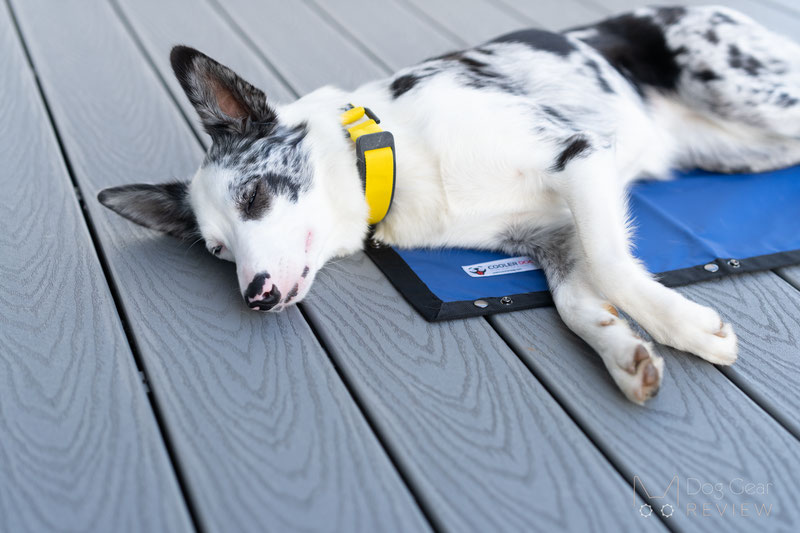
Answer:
(734, 263)
(506, 300)
(712, 267)
(481, 303)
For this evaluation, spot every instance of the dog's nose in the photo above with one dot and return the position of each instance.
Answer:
(261, 294)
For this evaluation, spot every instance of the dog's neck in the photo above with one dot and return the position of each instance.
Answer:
(336, 179)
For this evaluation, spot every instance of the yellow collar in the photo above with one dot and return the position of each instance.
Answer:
(374, 157)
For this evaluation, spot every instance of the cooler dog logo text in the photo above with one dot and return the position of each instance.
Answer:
(510, 265)
(696, 498)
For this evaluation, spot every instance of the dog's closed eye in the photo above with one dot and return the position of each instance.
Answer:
(252, 199)
(254, 202)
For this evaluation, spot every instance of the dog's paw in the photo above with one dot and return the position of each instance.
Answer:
(638, 373)
(700, 330)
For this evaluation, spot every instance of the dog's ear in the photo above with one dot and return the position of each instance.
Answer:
(225, 102)
(164, 207)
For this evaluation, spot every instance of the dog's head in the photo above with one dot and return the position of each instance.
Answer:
(256, 199)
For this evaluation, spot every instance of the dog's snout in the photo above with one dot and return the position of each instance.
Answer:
(261, 293)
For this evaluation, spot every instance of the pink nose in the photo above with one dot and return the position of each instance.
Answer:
(262, 294)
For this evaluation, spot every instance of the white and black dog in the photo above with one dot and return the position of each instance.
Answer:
(536, 134)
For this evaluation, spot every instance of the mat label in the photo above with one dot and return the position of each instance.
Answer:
(510, 265)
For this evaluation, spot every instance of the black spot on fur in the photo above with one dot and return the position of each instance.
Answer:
(292, 293)
(745, 62)
(477, 74)
(670, 15)
(164, 207)
(402, 84)
(601, 81)
(542, 40)
(784, 100)
(575, 147)
(711, 36)
(705, 75)
(636, 47)
(278, 162)
(557, 116)
(305, 272)
(721, 18)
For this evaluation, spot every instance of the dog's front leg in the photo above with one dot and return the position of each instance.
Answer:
(631, 361)
(595, 195)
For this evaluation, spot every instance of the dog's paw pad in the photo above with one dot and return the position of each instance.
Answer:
(642, 377)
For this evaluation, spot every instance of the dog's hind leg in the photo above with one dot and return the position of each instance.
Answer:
(595, 195)
(633, 365)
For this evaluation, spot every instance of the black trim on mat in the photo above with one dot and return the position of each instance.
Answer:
(434, 309)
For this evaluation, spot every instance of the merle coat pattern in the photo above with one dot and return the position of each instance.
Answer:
(535, 134)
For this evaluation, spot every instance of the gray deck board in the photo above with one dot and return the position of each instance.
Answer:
(699, 425)
(156, 23)
(765, 312)
(472, 21)
(390, 29)
(263, 428)
(478, 436)
(554, 15)
(80, 449)
(272, 25)
(510, 423)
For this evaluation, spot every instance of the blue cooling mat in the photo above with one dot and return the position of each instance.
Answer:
(699, 226)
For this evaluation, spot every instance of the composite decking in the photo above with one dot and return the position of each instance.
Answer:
(138, 394)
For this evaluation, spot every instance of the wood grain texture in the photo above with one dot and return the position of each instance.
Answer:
(699, 426)
(158, 29)
(479, 437)
(472, 21)
(264, 431)
(555, 16)
(765, 313)
(80, 450)
(298, 41)
(390, 29)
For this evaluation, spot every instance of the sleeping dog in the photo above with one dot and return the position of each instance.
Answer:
(536, 134)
